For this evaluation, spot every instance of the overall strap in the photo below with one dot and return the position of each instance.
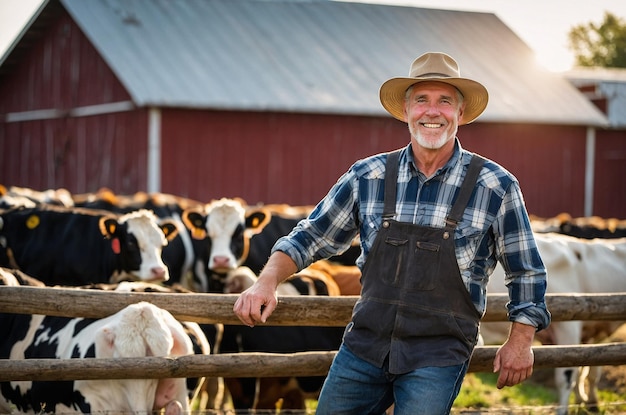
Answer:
(471, 176)
(391, 180)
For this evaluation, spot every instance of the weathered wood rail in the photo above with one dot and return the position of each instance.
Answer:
(311, 311)
(291, 310)
(270, 364)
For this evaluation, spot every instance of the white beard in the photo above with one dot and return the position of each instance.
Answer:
(431, 143)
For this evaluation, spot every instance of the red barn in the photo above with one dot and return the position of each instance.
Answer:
(272, 100)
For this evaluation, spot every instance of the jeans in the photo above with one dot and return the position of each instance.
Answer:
(354, 386)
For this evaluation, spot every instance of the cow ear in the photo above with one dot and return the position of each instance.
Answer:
(181, 342)
(108, 226)
(169, 229)
(256, 220)
(194, 221)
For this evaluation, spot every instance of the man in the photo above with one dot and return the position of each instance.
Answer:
(433, 220)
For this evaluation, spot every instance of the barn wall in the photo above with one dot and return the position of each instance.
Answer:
(610, 178)
(59, 72)
(548, 161)
(80, 154)
(266, 157)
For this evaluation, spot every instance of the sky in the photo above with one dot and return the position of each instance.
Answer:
(542, 24)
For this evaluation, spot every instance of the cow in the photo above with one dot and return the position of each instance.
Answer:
(58, 197)
(203, 337)
(587, 227)
(281, 220)
(264, 393)
(229, 229)
(223, 228)
(309, 281)
(346, 277)
(72, 246)
(181, 253)
(15, 277)
(138, 330)
(574, 265)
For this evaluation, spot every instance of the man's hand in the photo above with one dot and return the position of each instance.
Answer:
(255, 304)
(515, 359)
(258, 302)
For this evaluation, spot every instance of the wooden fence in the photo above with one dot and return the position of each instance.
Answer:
(297, 310)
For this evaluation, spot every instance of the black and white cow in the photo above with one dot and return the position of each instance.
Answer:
(138, 330)
(574, 265)
(181, 253)
(222, 230)
(204, 337)
(72, 246)
(281, 220)
(263, 393)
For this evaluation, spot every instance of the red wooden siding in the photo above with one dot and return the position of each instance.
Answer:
(79, 154)
(62, 71)
(548, 161)
(266, 157)
(610, 178)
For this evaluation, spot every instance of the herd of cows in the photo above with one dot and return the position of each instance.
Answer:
(168, 243)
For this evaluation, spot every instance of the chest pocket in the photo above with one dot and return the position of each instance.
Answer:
(407, 262)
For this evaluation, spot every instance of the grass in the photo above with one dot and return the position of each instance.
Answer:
(479, 391)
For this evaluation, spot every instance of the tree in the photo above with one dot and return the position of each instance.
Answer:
(601, 44)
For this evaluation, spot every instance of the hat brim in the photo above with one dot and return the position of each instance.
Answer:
(475, 96)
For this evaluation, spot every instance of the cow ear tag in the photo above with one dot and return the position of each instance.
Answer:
(32, 222)
(115, 245)
(198, 233)
(107, 226)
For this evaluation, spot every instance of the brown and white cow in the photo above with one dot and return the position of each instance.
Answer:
(574, 265)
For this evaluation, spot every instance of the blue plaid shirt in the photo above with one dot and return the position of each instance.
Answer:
(495, 225)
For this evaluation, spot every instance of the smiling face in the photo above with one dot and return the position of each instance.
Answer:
(433, 111)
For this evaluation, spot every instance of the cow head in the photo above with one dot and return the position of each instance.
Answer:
(138, 242)
(138, 330)
(223, 228)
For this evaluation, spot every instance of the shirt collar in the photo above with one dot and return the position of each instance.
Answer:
(444, 171)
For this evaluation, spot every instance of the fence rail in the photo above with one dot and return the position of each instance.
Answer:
(291, 310)
(309, 311)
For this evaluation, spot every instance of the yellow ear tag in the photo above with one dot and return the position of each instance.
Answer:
(255, 222)
(197, 233)
(32, 222)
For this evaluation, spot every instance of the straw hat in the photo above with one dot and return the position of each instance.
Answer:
(434, 66)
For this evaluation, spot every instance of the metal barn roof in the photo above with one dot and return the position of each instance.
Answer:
(314, 56)
(609, 83)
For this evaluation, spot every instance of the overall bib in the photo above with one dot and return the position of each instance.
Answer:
(414, 308)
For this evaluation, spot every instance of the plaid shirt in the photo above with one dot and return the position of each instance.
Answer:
(495, 225)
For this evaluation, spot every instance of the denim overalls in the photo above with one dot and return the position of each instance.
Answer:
(414, 308)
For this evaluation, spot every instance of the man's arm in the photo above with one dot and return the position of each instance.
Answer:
(514, 359)
(258, 302)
